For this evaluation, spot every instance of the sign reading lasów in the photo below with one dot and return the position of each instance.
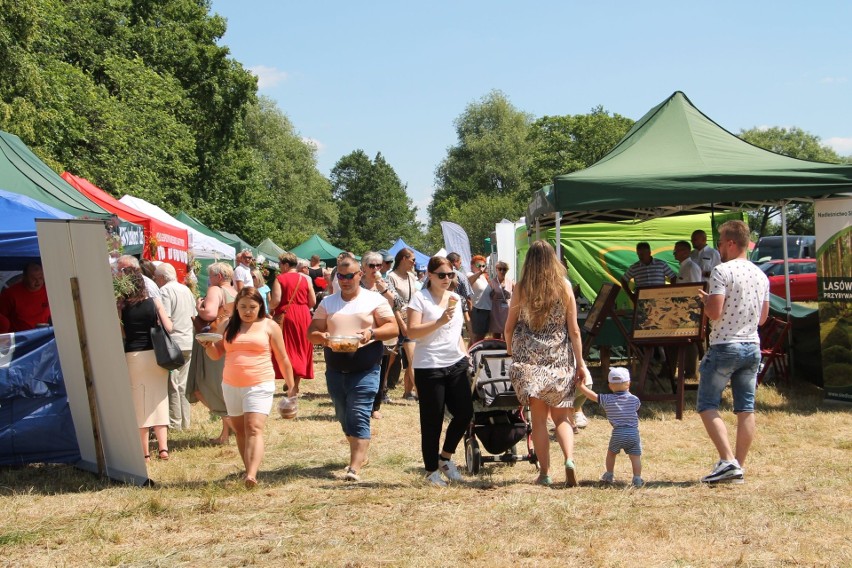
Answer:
(833, 223)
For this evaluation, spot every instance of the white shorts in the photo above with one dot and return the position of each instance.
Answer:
(257, 398)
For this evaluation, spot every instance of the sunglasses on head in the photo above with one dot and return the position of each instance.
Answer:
(375, 265)
(346, 276)
(444, 275)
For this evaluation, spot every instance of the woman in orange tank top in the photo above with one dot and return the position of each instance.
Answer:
(248, 381)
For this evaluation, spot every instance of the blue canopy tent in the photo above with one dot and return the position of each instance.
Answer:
(18, 240)
(35, 419)
(420, 258)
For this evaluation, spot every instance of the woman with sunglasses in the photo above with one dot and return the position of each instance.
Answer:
(480, 314)
(352, 377)
(371, 279)
(440, 363)
(403, 285)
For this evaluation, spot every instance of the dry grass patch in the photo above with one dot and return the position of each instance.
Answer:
(792, 511)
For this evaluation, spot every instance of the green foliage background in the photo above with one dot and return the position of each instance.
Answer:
(140, 97)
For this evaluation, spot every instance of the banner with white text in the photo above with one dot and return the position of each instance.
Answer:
(833, 224)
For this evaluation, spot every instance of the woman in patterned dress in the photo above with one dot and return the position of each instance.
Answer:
(543, 338)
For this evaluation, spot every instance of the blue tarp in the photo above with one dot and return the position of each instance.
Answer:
(420, 258)
(18, 241)
(35, 418)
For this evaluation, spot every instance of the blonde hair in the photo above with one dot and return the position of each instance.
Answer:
(542, 285)
(223, 269)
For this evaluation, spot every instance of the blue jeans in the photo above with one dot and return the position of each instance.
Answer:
(734, 362)
(353, 395)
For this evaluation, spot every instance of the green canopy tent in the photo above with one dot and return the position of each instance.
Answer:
(241, 244)
(270, 251)
(316, 245)
(674, 160)
(22, 172)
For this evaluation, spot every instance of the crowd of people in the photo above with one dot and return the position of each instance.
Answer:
(249, 330)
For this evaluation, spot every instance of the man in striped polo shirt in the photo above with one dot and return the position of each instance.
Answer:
(648, 271)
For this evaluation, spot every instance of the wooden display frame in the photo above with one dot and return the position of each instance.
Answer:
(601, 308)
(664, 315)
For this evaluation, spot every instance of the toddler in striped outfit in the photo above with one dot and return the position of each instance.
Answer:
(622, 409)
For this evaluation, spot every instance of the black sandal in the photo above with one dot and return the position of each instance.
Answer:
(161, 457)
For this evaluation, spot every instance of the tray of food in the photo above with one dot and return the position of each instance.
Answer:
(208, 337)
(344, 343)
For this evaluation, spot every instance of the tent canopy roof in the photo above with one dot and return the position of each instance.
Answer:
(24, 173)
(18, 239)
(420, 258)
(676, 159)
(175, 237)
(316, 245)
(201, 245)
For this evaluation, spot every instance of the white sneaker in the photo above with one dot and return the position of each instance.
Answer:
(435, 479)
(638, 481)
(607, 477)
(448, 468)
(580, 420)
(725, 472)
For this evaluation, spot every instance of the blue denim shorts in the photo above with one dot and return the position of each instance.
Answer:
(736, 363)
(353, 395)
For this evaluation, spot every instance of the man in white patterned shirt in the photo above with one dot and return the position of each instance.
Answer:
(737, 302)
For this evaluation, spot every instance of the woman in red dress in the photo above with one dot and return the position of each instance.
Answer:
(291, 299)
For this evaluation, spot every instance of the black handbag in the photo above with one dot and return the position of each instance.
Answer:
(169, 355)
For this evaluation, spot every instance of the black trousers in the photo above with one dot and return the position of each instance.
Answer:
(438, 389)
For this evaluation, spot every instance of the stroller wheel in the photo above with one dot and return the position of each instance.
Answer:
(472, 455)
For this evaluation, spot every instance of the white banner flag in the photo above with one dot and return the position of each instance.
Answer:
(455, 240)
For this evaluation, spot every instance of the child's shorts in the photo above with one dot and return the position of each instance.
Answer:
(625, 438)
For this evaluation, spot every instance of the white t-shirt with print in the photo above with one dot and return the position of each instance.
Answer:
(345, 318)
(745, 288)
(440, 348)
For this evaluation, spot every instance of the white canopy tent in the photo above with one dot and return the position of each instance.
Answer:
(201, 245)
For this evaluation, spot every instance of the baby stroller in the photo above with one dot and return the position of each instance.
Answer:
(499, 420)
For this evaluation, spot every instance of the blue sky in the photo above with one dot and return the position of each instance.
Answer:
(391, 77)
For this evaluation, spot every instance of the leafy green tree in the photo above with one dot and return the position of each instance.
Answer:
(796, 143)
(564, 144)
(374, 207)
(299, 197)
(491, 158)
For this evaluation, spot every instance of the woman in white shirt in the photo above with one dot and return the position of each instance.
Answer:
(440, 369)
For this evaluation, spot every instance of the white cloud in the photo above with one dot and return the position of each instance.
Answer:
(422, 209)
(318, 146)
(267, 76)
(842, 146)
(834, 80)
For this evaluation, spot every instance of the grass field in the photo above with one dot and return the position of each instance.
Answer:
(795, 508)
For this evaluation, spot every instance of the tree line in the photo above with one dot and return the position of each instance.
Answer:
(139, 97)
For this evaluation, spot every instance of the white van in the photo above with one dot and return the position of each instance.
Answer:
(771, 248)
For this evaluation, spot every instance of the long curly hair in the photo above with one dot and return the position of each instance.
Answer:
(542, 285)
(138, 293)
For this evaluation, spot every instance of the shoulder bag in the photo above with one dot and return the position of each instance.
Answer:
(168, 354)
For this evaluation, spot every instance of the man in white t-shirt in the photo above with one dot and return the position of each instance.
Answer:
(706, 257)
(689, 271)
(352, 377)
(242, 273)
(179, 303)
(737, 302)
